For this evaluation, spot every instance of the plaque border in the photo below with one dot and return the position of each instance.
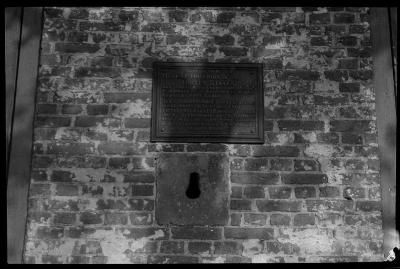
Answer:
(256, 138)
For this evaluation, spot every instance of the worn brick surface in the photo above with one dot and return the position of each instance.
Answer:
(310, 193)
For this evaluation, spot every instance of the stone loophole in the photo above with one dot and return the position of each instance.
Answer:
(193, 190)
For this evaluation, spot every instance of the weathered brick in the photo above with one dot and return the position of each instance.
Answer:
(46, 108)
(329, 191)
(70, 148)
(225, 17)
(275, 151)
(353, 193)
(276, 205)
(333, 205)
(67, 190)
(233, 51)
(64, 218)
(54, 121)
(279, 192)
(141, 218)
(306, 165)
(256, 164)
(248, 233)
(115, 219)
(304, 178)
(97, 109)
(119, 148)
(91, 218)
(343, 18)
(352, 138)
(350, 125)
(305, 192)
(227, 247)
(352, 87)
(171, 247)
(281, 164)
(62, 176)
(322, 18)
(206, 147)
(39, 189)
(160, 259)
(71, 109)
(76, 47)
(369, 206)
(287, 248)
(236, 204)
(199, 247)
(299, 74)
(142, 190)
(119, 162)
(254, 192)
(295, 125)
(255, 178)
(199, 233)
(255, 219)
(44, 232)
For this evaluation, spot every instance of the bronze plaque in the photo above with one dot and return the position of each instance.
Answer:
(207, 102)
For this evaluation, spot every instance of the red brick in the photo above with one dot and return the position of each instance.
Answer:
(343, 18)
(248, 233)
(141, 218)
(67, 190)
(295, 125)
(280, 220)
(333, 205)
(323, 18)
(54, 121)
(120, 148)
(369, 206)
(62, 176)
(39, 189)
(199, 247)
(353, 87)
(171, 247)
(255, 178)
(256, 164)
(97, 109)
(76, 48)
(64, 218)
(303, 219)
(44, 232)
(306, 165)
(227, 247)
(279, 192)
(137, 123)
(305, 192)
(281, 164)
(287, 248)
(304, 178)
(236, 219)
(277, 205)
(70, 148)
(160, 259)
(254, 192)
(275, 151)
(199, 233)
(91, 218)
(240, 204)
(329, 191)
(115, 219)
(255, 219)
(142, 190)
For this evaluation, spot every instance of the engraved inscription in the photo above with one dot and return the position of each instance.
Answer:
(212, 101)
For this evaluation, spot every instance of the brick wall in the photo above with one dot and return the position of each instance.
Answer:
(311, 193)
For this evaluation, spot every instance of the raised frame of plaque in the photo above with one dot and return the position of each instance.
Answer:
(207, 102)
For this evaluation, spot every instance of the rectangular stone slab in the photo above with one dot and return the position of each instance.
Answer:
(172, 178)
(207, 102)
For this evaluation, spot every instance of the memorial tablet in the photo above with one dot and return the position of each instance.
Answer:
(207, 102)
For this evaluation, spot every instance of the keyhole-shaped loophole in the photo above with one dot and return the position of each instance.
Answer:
(193, 190)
